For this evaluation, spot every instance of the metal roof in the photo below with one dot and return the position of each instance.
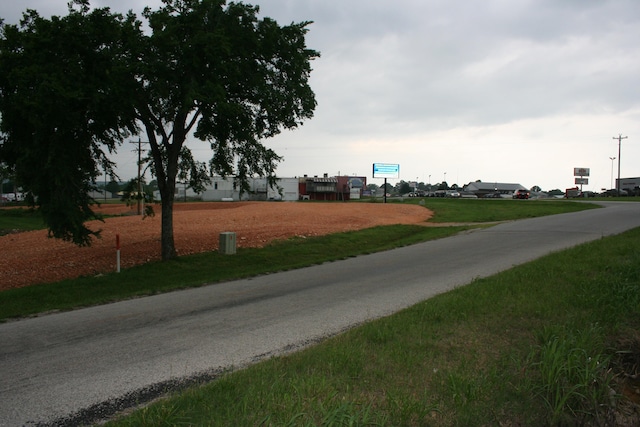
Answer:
(492, 186)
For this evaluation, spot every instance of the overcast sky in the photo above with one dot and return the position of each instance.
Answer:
(517, 91)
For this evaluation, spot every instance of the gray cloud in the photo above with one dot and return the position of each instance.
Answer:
(439, 76)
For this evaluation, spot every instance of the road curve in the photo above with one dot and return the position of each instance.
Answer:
(76, 367)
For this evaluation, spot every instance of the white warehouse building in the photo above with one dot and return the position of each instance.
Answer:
(224, 189)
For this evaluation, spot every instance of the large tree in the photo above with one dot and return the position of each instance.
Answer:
(72, 88)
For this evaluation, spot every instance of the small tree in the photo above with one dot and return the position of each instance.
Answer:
(113, 187)
(72, 88)
(404, 187)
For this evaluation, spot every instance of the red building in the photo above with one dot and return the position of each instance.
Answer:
(339, 188)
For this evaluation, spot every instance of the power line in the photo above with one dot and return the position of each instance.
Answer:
(139, 150)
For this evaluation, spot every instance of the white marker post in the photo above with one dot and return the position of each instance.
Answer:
(118, 253)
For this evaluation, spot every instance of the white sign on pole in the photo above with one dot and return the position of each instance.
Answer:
(386, 170)
(580, 171)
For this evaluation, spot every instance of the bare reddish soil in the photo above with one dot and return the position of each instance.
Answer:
(31, 257)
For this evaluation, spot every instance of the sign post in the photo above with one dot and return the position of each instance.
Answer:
(117, 253)
(581, 173)
(386, 170)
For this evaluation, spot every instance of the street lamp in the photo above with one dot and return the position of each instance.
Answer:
(612, 159)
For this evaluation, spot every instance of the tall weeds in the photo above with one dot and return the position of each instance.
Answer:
(574, 374)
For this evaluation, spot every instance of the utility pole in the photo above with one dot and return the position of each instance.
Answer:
(619, 138)
(139, 195)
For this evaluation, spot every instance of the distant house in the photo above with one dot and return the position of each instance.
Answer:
(485, 189)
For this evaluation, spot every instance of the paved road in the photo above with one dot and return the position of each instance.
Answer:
(70, 368)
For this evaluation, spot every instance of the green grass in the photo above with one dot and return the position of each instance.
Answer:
(489, 210)
(19, 219)
(535, 345)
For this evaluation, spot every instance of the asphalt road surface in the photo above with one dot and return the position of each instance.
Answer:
(77, 367)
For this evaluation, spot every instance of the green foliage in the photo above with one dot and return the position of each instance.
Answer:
(404, 187)
(72, 88)
(113, 187)
(229, 77)
(58, 88)
(135, 193)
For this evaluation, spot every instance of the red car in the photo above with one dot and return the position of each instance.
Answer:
(521, 194)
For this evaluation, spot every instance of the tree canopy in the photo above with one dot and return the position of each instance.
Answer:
(73, 88)
(61, 106)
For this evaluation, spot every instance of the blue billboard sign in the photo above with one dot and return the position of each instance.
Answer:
(386, 170)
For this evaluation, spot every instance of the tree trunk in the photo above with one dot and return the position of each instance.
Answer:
(166, 174)
(167, 186)
(167, 241)
(168, 193)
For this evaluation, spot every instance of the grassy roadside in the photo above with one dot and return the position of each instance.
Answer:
(491, 210)
(547, 343)
(541, 344)
(200, 269)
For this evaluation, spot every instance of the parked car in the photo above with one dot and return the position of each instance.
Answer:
(521, 194)
(493, 196)
(613, 193)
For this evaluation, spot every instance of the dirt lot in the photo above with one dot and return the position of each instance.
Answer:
(31, 257)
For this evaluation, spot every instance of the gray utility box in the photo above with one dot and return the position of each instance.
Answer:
(227, 243)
